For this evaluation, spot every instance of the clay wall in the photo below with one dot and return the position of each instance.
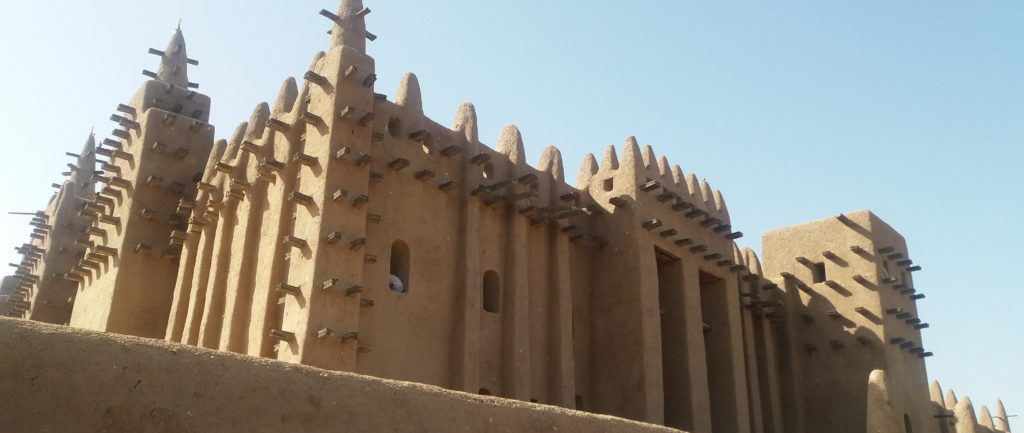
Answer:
(150, 385)
(837, 315)
(148, 174)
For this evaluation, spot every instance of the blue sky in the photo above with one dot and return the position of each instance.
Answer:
(796, 110)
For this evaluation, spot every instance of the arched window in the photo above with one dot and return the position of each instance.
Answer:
(398, 278)
(492, 292)
(395, 127)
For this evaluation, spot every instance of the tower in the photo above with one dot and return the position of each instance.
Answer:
(53, 295)
(340, 81)
(148, 187)
(850, 309)
(43, 287)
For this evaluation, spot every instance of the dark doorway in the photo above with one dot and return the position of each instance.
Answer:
(674, 365)
(718, 351)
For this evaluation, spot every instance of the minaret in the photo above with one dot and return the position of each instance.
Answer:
(320, 316)
(148, 186)
(53, 294)
(174, 61)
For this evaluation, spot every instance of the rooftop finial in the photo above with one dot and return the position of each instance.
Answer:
(466, 122)
(510, 144)
(349, 26)
(408, 94)
(1001, 423)
(174, 61)
(86, 164)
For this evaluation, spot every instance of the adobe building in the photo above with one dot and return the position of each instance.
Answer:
(342, 230)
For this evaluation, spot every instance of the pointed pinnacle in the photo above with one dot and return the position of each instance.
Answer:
(174, 62)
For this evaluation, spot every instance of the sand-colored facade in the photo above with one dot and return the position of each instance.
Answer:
(342, 230)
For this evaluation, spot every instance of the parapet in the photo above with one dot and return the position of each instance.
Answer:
(149, 383)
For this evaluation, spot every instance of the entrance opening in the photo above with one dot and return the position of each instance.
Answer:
(714, 307)
(906, 423)
(674, 365)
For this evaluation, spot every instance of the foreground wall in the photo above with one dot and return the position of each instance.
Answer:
(62, 379)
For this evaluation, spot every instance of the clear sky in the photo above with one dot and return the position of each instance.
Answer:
(796, 110)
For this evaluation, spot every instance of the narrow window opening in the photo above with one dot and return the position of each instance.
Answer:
(398, 279)
(885, 270)
(819, 272)
(492, 292)
(609, 184)
(579, 402)
(394, 127)
(177, 108)
(488, 170)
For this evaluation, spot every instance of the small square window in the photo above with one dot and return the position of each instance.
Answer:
(818, 271)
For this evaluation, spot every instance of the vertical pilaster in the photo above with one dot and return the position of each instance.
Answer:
(516, 345)
(754, 405)
(272, 268)
(700, 396)
(321, 320)
(184, 293)
(466, 360)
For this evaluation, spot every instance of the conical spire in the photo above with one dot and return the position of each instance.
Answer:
(966, 421)
(551, 162)
(465, 122)
(349, 26)
(737, 255)
(1001, 423)
(588, 168)
(258, 122)
(236, 142)
(174, 61)
(753, 262)
(81, 177)
(631, 160)
(935, 392)
(707, 194)
(950, 399)
(881, 416)
(678, 177)
(215, 156)
(510, 144)
(693, 185)
(408, 94)
(650, 159)
(610, 161)
(723, 211)
(286, 96)
(663, 167)
(985, 418)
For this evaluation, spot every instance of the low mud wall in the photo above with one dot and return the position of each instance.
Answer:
(59, 379)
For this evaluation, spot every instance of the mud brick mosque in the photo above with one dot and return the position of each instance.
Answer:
(342, 230)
